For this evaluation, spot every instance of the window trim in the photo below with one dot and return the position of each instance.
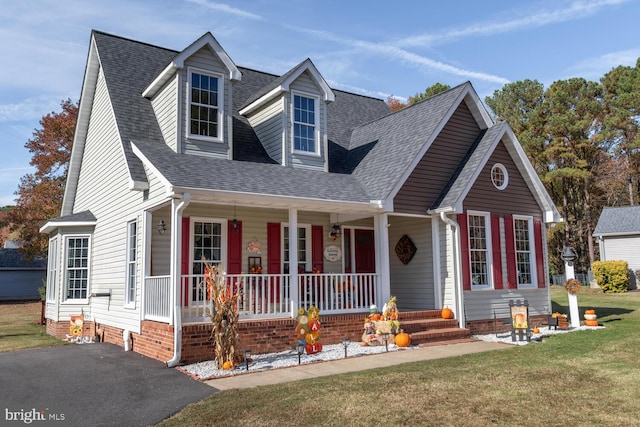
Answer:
(532, 252)
(128, 302)
(52, 269)
(65, 299)
(505, 175)
(223, 246)
(220, 77)
(307, 249)
(488, 250)
(316, 126)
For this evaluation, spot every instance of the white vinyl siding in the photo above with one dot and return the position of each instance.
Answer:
(486, 305)
(268, 123)
(76, 272)
(165, 107)
(131, 257)
(622, 248)
(52, 269)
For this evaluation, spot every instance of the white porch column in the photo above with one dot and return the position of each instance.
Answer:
(435, 248)
(381, 224)
(293, 260)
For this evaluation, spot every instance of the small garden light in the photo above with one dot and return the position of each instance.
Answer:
(247, 354)
(385, 338)
(300, 349)
(345, 343)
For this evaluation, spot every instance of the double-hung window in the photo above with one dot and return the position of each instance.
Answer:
(52, 269)
(479, 250)
(132, 255)
(523, 232)
(305, 120)
(207, 245)
(205, 105)
(304, 248)
(77, 268)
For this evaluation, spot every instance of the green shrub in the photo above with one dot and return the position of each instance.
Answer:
(612, 276)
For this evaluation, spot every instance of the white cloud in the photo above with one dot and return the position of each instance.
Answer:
(29, 109)
(576, 10)
(405, 56)
(595, 68)
(221, 7)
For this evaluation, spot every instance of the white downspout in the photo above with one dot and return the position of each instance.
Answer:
(457, 267)
(176, 258)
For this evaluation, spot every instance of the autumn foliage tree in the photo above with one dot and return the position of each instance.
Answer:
(40, 193)
(395, 104)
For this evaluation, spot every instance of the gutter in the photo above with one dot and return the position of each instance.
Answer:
(176, 256)
(457, 267)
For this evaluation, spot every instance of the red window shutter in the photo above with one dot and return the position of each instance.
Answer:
(496, 251)
(511, 252)
(274, 248)
(317, 248)
(538, 229)
(234, 248)
(184, 263)
(464, 251)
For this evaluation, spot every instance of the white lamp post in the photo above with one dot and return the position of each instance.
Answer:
(568, 255)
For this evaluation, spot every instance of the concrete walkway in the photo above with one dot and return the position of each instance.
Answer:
(352, 364)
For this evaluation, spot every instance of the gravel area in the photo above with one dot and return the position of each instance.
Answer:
(261, 362)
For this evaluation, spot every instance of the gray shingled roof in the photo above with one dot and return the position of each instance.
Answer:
(255, 178)
(12, 259)
(399, 138)
(619, 220)
(84, 216)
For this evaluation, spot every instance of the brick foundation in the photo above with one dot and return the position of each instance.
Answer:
(491, 326)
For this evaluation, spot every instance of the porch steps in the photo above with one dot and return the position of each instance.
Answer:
(428, 326)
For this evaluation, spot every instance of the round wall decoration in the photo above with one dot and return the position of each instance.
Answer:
(332, 253)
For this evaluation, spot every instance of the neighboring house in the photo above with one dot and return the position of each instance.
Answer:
(20, 278)
(618, 236)
(180, 155)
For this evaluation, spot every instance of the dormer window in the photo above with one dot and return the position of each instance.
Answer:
(205, 105)
(305, 119)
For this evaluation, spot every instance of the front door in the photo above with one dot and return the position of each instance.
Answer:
(365, 251)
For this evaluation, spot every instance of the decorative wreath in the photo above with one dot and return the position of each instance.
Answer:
(572, 286)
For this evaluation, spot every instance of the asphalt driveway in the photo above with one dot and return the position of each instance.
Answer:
(91, 385)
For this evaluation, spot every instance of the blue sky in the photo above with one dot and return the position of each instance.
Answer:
(370, 47)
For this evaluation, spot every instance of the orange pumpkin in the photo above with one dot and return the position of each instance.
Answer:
(375, 317)
(446, 313)
(589, 312)
(591, 323)
(536, 331)
(227, 365)
(403, 339)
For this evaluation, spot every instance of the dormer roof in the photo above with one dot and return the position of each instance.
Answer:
(281, 84)
(177, 62)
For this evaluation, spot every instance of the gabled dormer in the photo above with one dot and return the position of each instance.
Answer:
(192, 99)
(290, 117)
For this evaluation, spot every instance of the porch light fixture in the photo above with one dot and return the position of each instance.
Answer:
(162, 227)
(247, 354)
(336, 231)
(345, 343)
(234, 223)
(385, 338)
(300, 349)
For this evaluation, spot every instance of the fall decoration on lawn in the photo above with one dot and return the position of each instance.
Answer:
(224, 296)
(590, 318)
(403, 339)
(446, 313)
(536, 331)
(572, 286)
(377, 324)
(308, 329)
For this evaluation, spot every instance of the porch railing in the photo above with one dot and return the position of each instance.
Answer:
(264, 295)
(157, 298)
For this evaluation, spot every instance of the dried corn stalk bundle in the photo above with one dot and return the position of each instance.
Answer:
(224, 296)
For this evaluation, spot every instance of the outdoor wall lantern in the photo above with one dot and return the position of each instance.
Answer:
(162, 227)
(568, 255)
(345, 343)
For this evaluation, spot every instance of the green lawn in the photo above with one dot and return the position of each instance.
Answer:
(587, 378)
(19, 327)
